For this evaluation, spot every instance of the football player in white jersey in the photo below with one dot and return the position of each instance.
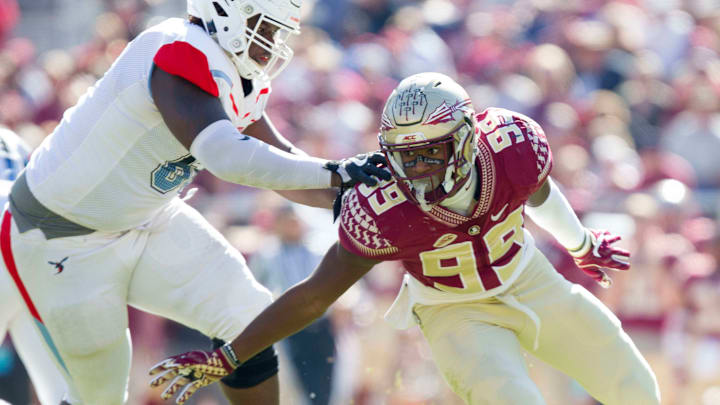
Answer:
(96, 223)
(49, 384)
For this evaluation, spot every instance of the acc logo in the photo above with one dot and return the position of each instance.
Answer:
(414, 137)
(445, 240)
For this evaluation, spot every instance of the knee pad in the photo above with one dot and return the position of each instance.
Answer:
(252, 372)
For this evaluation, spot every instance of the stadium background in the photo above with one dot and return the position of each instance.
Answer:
(628, 92)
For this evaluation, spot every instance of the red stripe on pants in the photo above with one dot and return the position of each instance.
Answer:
(7, 255)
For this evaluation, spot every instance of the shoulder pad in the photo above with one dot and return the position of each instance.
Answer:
(193, 55)
(519, 145)
(182, 59)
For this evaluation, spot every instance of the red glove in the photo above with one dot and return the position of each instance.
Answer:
(597, 252)
(193, 370)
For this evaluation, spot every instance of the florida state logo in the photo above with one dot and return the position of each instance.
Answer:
(409, 106)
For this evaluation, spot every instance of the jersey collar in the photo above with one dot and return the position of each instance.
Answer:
(484, 191)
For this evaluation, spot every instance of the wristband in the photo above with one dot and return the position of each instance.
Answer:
(230, 355)
(584, 247)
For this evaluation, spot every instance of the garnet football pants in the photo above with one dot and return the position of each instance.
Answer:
(477, 345)
(177, 266)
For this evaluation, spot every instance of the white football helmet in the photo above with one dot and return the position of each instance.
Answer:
(429, 109)
(226, 22)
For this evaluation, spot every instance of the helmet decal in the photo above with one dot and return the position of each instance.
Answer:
(385, 123)
(444, 113)
(410, 102)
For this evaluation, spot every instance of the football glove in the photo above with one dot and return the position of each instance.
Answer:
(193, 370)
(360, 169)
(597, 252)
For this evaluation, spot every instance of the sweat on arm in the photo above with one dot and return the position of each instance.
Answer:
(300, 305)
(295, 309)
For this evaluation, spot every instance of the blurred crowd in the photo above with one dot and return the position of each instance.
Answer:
(628, 92)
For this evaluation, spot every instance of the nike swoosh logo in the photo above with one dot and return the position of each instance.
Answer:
(499, 214)
(244, 138)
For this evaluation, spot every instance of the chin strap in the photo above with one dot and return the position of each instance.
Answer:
(420, 196)
(462, 201)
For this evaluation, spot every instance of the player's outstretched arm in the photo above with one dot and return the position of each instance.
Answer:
(592, 250)
(362, 168)
(264, 130)
(295, 309)
(198, 121)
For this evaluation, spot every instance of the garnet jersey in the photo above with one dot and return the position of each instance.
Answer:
(112, 163)
(470, 257)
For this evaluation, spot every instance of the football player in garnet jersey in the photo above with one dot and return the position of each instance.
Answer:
(476, 285)
(95, 220)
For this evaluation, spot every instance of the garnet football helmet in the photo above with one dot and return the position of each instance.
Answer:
(425, 110)
(226, 22)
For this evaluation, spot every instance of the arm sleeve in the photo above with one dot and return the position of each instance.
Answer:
(556, 216)
(241, 159)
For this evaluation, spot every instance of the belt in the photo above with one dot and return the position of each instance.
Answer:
(29, 213)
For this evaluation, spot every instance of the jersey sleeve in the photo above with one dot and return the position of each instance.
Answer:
(181, 59)
(535, 157)
(359, 230)
(521, 148)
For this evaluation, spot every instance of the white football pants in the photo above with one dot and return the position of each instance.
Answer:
(177, 266)
(477, 345)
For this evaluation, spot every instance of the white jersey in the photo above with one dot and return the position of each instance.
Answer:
(112, 163)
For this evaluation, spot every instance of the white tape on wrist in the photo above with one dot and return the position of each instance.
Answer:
(584, 247)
